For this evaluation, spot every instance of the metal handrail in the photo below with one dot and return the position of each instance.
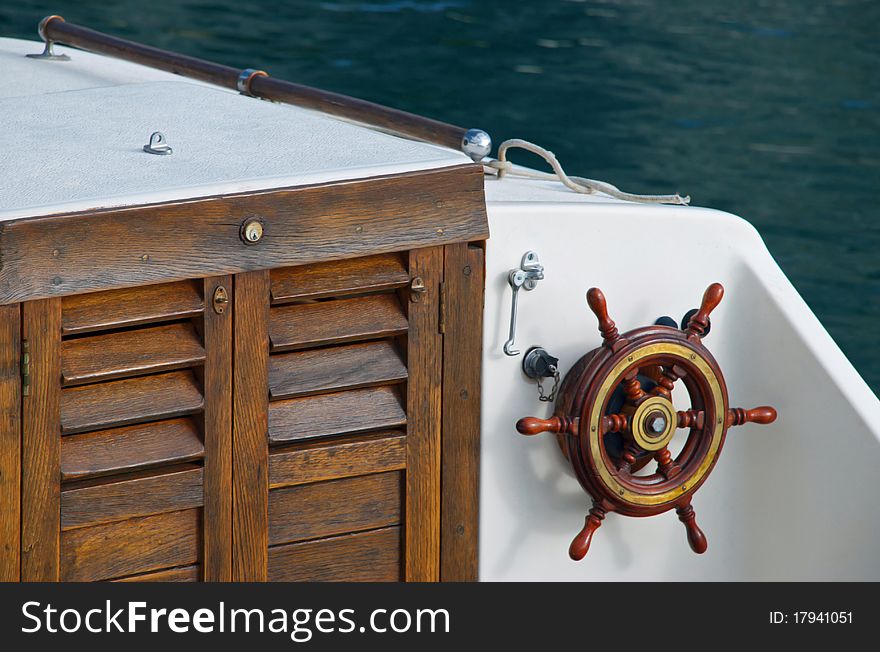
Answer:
(474, 142)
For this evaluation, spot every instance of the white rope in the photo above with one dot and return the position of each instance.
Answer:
(502, 167)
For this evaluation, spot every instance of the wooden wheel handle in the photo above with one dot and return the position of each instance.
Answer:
(534, 426)
(711, 298)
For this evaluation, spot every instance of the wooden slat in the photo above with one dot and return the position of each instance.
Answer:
(217, 556)
(328, 370)
(136, 545)
(422, 538)
(250, 426)
(462, 356)
(134, 400)
(335, 507)
(130, 448)
(341, 277)
(41, 444)
(183, 574)
(335, 321)
(346, 457)
(10, 442)
(148, 304)
(363, 557)
(201, 237)
(130, 353)
(358, 410)
(120, 498)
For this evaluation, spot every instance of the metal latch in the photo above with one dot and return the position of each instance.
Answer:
(25, 368)
(526, 277)
(417, 288)
(220, 300)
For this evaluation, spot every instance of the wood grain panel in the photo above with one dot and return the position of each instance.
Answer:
(136, 545)
(335, 507)
(139, 245)
(342, 458)
(217, 555)
(130, 448)
(130, 353)
(134, 400)
(83, 313)
(462, 356)
(333, 369)
(422, 538)
(342, 277)
(10, 443)
(250, 428)
(363, 557)
(182, 574)
(41, 444)
(336, 321)
(358, 410)
(126, 497)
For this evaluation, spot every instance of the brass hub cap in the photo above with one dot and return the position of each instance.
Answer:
(653, 423)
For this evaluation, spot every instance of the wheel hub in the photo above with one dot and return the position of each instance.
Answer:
(653, 423)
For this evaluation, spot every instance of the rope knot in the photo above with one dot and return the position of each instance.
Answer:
(576, 184)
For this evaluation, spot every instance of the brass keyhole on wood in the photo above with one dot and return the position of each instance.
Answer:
(221, 298)
(252, 231)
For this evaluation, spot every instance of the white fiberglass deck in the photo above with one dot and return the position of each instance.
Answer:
(73, 138)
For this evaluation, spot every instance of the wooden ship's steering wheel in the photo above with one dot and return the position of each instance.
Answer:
(615, 415)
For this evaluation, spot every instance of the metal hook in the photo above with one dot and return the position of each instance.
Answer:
(158, 144)
(526, 276)
(49, 54)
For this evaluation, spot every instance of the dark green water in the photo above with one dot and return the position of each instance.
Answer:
(768, 109)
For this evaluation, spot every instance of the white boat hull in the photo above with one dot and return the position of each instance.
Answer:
(790, 501)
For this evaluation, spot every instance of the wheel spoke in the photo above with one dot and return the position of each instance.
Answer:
(700, 321)
(740, 416)
(633, 388)
(581, 543)
(666, 380)
(558, 425)
(667, 466)
(610, 335)
(628, 457)
(690, 418)
(735, 417)
(696, 538)
(614, 423)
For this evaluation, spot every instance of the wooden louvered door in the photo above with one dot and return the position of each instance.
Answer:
(340, 474)
(126, 435)
(291, 432)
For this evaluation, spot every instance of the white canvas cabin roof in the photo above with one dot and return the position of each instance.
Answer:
(73, 133)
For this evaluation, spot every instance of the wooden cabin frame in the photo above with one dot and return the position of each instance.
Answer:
(145, 353)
